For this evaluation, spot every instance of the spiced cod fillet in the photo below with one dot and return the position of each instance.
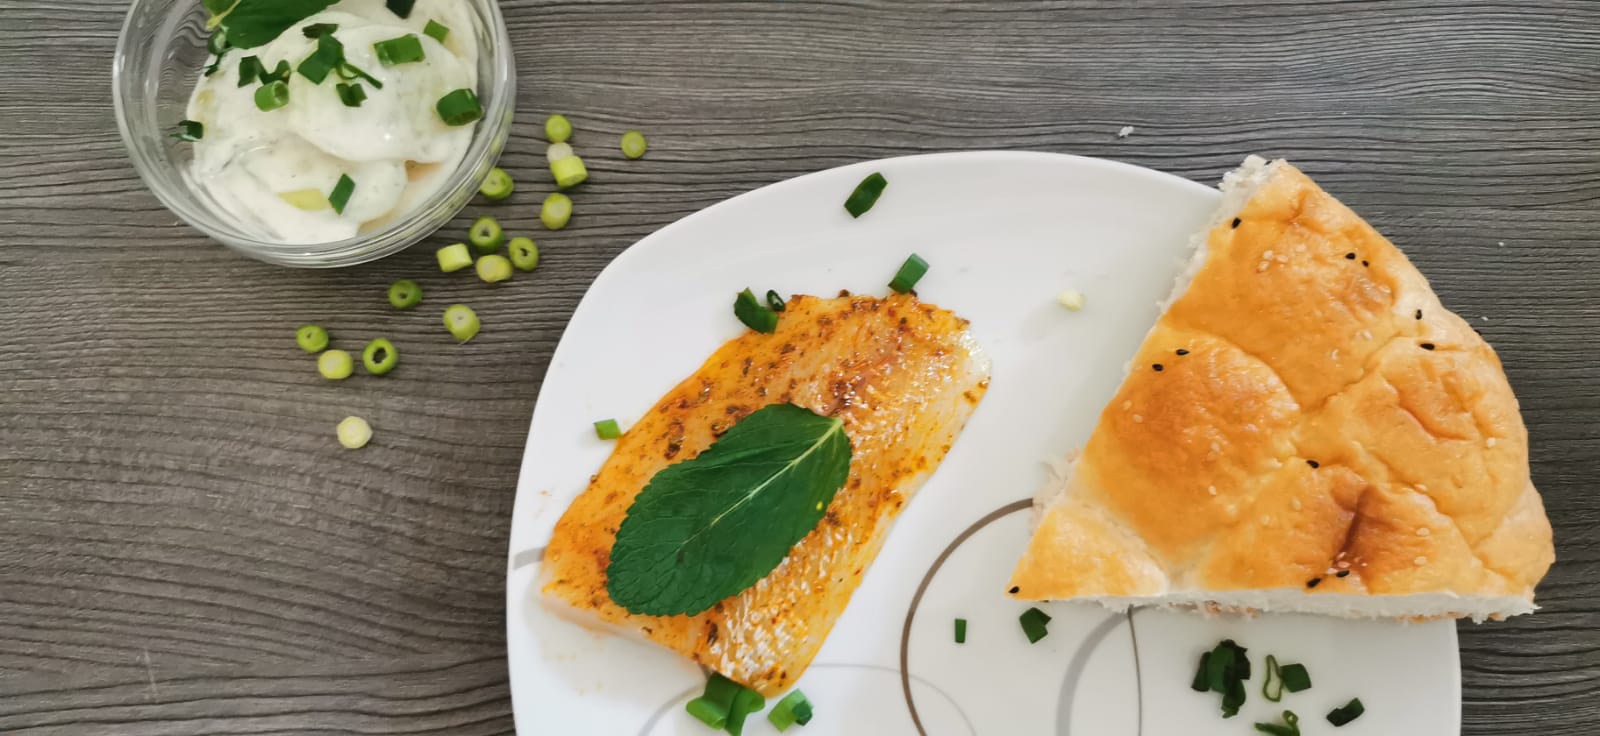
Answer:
(903, 377)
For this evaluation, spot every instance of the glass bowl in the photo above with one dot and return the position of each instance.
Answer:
(160, 54)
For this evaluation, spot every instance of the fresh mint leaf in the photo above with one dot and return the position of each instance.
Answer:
(255, 22)
(707, 528)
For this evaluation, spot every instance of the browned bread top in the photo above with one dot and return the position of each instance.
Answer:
(1305, 415)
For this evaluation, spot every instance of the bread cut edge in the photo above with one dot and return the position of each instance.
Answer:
(1238, 187)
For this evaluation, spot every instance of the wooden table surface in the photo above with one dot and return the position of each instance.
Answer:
(185, 550)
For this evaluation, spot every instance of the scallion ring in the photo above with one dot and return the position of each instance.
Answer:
(866, 194)
(272, 95)
(335, 365)
(557, 128)
(912, 271)
(352, 94)
(1033, 623)
(788, 711)
(524, 253)
(405, 49)
(569, 172)
(461, 321)
(556, 211)
(486, 235)
(379, 357)
(311, 338)
(454, 257)
(634, 144)
(405, 294)
(497, 185)
(459, 107)
(340, 196)
(189, 130)
(754, 314)
(354, 433)
(607, 429)
(436, 30)
(494, 268)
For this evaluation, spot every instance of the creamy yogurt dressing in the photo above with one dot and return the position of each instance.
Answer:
(393, 146)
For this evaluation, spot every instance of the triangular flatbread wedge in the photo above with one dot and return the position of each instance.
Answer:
(1305, 429)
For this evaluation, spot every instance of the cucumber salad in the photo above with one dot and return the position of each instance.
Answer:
(320, 120)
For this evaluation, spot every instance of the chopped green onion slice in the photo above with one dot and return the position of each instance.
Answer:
(785, 713)
(634, 144)
(753, 314)
(328, 56)
(557, 128)
(747, 701)
(379, 357)
(497, 185)
(1233, 698)
(459, 107)
(335, 365)
(189, 130)
(865, 195)
(212, 67)
(399, 50)
(557, 151)
(311, 338)
(569, 172)
(556, 211)
(1347, 712)
(351, 94)
(354, 433)
(250, 69)
(340, 196)
(607, 429)
(348, 71)
(1272, 685)
(775, 301)
(486, 235)
(524, 253)
(707, 712)
(454, 257)
(272, 96)
(278, 74)
(461, 321)
(494, 268)
(719, 690)
(218, 42)
(436, 30)
(309, 200)
(405, 294)
(1290, 726)
(961, 631)
(316, 30)
(1202, 679)
(218, 7)
(1033, 623)
(909, 274)
(1295, 678)
(401, 8)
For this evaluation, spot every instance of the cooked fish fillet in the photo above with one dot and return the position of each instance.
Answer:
(903, 376)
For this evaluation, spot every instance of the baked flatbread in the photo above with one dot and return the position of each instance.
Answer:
(1306, 428)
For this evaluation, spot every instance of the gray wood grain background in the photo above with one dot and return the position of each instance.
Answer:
(185, 550)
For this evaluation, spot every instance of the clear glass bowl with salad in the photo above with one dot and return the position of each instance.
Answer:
(314, 133)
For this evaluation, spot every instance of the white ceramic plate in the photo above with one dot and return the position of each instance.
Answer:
(1004, 233)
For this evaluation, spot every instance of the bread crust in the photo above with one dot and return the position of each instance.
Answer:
(1305, 408)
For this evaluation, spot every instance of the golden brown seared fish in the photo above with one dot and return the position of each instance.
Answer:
(903, 376)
